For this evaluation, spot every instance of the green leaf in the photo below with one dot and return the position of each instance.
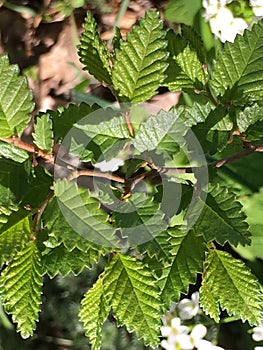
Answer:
(241, 295)
(63, 120)
(110, 136)
(132, 293)
(39, 186)
(240, 65)
(182, 11)
(93, 52)
(140, 220)
(185, 71)
(10, 151)
(253, 206)
(15, 100)
(93, 313)
(43, 135)
(249, 122)
(21, 289)
(60, 260)
(188, 253)
(60, 230)
(160, 131)
(13, 181)
(141, 60)
(84, 214)
(14, 234)
(222, 218)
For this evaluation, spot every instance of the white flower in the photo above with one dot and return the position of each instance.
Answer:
(257, 6)
(258, 332)
(188, 308)
(111, 165)
(258, 348)
(225, 26)
(213, 6)
(173, 334)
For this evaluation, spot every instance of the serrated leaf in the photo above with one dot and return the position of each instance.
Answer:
(160, 131)
(43, 135)
(187, 256)
(10, 151)
(60, 260)
(83, 213)
(21, 289)
(93, 52)
(14, 234)
(240, 65)
(140, 220)
(222, 218)
(132, 293)
(15, 100)
(241, 295)
(110, 136)
(185, 70)
(63, 120)
(60, 230)
(141, 60)
(93, 313)
(249, 122)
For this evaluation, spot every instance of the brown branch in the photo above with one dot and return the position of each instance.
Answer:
(41, 211)
(28, 148)
(129, 123)
(92, 173)
(247, 151)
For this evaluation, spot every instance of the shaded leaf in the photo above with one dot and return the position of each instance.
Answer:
(222, 218)
(187, 256)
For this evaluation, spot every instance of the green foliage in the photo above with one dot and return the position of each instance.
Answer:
(15, 100)
(43, 135)
(21, 288)
(141, 58)
(151, 218)
(222, 269)
(128, 282)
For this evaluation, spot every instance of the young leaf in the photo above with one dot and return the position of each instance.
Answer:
(21, 288)
(60, 260)
(185, 70)
(131, 291)
(13, 235)
(43, 135)
(188, 253)
(141, 60)
(93, 52)
(222, 218)
(93, 313)
(240, 65)
(241, 295)
(15, 100)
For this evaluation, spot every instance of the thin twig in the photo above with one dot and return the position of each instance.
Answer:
(247, 151)
(41, 211)
(92, 173)
(28, 148)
